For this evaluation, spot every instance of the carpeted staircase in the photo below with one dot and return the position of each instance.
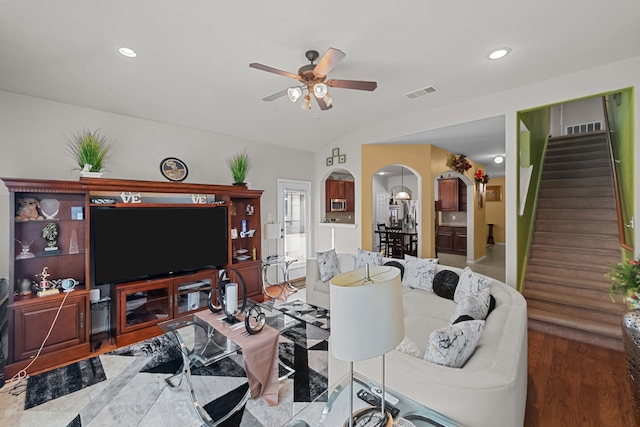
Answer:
(574, 240)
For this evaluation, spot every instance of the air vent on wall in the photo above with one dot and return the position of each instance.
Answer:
(584, 127)
(421, 92)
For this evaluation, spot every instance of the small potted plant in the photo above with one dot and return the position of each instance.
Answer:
(625, 281)
(90, 150)
(239, 166)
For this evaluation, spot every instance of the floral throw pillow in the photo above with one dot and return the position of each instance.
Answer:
(476, 306)
(328, 264)
(419, 272)
(366, 257)
(470, 283)
(453, 346)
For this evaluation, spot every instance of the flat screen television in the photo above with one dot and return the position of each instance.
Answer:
(132, 243)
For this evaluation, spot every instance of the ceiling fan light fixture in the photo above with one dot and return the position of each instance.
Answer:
(294, 93)
(328, 100)
(320, 90)
(306, 103)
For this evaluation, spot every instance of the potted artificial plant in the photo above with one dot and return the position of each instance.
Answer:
(239, 166)
(90, 150)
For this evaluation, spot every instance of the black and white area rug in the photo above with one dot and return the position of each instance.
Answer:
(309, 313)
(126, 387)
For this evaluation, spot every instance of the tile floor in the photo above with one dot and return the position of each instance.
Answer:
(493, 265)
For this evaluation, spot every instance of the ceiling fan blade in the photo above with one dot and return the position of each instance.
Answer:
(353, 84)
(276, 95)
(330, 59)
(272, 70)
(323, 105)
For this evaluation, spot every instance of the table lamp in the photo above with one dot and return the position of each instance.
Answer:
(366, 322)
(272, 232)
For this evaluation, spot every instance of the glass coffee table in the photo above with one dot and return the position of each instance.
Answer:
(331, 409)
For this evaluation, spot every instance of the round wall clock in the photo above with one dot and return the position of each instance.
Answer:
(174, 169)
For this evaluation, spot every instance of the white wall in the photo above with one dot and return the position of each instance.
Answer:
(32, 137)
(607, 78)
(576, 113)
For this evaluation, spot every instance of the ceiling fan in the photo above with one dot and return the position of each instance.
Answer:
(313, 79)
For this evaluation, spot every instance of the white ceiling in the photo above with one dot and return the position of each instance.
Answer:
(192, 69)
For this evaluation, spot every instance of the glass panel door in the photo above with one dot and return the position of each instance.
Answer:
(294, 213)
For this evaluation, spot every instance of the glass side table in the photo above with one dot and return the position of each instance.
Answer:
(331, 408)
(200, 345)
(283, 263)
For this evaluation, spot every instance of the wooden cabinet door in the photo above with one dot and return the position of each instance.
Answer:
(251, 272)
(143, 304)
(32, 322)
(448, 194)
(445, 239)
(349, 195)
(460, 240)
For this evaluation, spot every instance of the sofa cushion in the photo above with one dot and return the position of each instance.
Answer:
(470, 283)
(397, 265)
(419, 272)
(328, 264)
(365, 257)
(452, 346)
(445, 283)
(476, 306)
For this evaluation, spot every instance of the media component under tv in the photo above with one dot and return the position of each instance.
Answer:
(132, 243)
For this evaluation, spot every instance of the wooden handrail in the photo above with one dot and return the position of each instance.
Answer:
(616, 187)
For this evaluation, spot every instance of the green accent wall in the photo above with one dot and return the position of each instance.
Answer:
(620, 109)
(531, 146)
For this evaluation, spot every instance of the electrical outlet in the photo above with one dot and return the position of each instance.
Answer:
(269, 217)
(453, 217)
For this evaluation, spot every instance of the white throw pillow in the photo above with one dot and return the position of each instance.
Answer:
(476, 306)
(452, 346)
(328, 264)
(366, 257)
(419, 272)
(470, 283)
(407, 346)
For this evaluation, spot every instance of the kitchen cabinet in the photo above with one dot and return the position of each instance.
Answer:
(340, 189)
(452, 240)
(452, 194)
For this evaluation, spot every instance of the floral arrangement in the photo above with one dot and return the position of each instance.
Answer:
(625, 281)
(459, 163)
(481, 176)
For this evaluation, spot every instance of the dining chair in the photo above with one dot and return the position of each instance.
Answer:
(383, 239)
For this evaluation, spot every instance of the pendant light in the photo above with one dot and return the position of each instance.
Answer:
(402, 195)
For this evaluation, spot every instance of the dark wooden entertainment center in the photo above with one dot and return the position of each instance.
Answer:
(162, 298)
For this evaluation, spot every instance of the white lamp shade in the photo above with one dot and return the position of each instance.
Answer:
(294, 93)
(320, 90)
(366, 316)
(272, 231)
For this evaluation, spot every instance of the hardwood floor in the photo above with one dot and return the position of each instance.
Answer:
(576, 384)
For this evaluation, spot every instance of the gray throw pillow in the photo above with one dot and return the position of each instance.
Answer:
(453, 346)
(419, 272)
(328, 264)
(476, 306)
(365, 257)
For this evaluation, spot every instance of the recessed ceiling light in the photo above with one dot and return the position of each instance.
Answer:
(498, 159)
(501, 52)
(129, 53)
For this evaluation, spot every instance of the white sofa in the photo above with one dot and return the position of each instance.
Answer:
(489, 390)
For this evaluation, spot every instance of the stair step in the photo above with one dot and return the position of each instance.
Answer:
(569, 291)
(578, 203)
(600, 311)
(562, 192)
(609, 228)
(570, 214)
(598, 255)
(598, 152)
(578, 330)
(598, 181)
(577, 173)
(586, 138)
(592, 276)
(569, 240)
(576, 164)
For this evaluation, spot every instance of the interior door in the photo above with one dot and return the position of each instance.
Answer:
(294, 213)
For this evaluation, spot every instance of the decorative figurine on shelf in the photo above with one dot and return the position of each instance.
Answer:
(50, 208)
(46, 288)
(28, 209)
(50, 234)
(24, 252)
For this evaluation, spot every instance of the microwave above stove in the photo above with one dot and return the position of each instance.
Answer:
(338, 205)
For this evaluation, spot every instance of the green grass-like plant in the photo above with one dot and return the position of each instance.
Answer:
(90, 148)
(239, 165)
